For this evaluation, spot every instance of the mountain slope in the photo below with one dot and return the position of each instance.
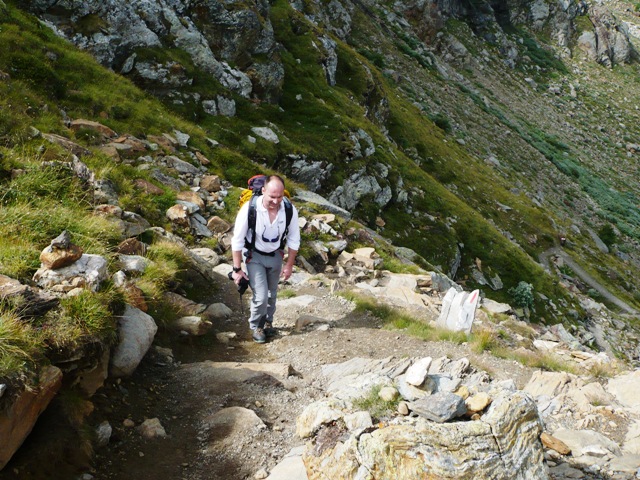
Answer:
(455, 132)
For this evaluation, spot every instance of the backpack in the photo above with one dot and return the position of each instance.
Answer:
(251, 194)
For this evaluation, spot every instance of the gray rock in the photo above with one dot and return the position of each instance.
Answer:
(330, 62)
(133, 224)
(314, 198)
(266, 133)
(103, 434)
(411, 393)
(208, 255)
(136, 333)
(217, 311)
(349, 194)
(90, 270)
(226, 106)
(181, 166)
(291, 467)
(210, 107)
(440, 407)
(311, 173)
(182, 138)
(133, 263)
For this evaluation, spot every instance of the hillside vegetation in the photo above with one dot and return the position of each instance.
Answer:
(485, 165)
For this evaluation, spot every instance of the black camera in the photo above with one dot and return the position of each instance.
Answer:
(242, 286)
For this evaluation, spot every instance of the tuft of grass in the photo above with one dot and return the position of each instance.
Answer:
(544, 361)
(19, 344)
(484, 340)
(168, 259)
(287, 293)
(79, 318)
(376, 406)
(600, 370)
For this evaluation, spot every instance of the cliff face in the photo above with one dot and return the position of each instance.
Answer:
(213, 35)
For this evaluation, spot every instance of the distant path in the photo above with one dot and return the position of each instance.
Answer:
(585, 277)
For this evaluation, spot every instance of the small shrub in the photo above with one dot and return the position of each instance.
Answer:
(522, 295)
(608, 235)
(593, 293)
(287, 293)
(601, 370)
(442, 122)
(79, 317)
(483, 341)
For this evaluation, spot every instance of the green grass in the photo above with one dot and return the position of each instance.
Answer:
(36, 207)
(20, 344)
(80, 319)
(376, 406)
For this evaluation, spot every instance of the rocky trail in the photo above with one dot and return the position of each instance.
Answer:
(261, 389)
(220, 406)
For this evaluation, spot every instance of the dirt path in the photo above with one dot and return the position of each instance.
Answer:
(187, 397)
(187, 394)
(586, 278)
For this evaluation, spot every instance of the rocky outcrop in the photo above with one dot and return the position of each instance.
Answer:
(214, 36)
(608, 43)
(503, 442)
(20, 416)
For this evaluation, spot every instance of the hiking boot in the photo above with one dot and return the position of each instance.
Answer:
(269, 331)
(259, 336)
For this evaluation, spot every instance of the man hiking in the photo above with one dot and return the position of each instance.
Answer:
(263, 226)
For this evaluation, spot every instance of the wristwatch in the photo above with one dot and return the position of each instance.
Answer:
(236, 269)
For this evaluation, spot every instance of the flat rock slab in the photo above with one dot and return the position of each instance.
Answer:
(225, 373)
(291, 467)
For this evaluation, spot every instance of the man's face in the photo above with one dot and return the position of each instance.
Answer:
(273, 193)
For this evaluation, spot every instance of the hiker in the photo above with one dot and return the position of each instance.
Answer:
(263, 250)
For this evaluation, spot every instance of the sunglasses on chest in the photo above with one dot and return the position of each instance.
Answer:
(272, 240)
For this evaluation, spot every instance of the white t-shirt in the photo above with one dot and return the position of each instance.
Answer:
(268, 234)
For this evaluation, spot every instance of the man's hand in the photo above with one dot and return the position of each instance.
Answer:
(237, 276)
(287, 270)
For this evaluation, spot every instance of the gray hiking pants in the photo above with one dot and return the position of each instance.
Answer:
(264, 274)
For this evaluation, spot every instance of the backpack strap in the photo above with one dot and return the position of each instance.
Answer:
(288, 211)
(250, 245)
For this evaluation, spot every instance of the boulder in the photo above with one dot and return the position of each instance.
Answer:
(103, 130)
(18, 419)
(136, 333)
(211, 183)
(88, 271)
(503, 444)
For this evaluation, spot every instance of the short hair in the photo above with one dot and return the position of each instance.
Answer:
(274, 177)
